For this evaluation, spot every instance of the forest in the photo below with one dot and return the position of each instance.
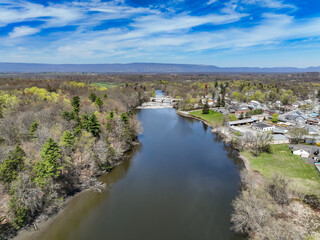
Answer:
(56, 137)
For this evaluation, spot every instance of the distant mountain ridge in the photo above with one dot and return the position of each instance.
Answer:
(142, 68)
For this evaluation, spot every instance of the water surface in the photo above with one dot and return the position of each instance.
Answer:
(179, 184)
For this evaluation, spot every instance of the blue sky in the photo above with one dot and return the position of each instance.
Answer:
(226, 33)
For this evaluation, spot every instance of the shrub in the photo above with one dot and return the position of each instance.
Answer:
(278, 189)
(312, 200)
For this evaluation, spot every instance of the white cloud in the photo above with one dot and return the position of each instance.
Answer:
(23, 31)
(278, 4)
(211, 2)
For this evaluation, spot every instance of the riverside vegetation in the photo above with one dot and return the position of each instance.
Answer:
(56, 137)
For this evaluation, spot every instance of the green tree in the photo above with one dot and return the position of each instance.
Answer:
(92, 97)
(218, 101)
(233, 117)
(205, 109)
(91, 124)
(275, 118)
(11, 166)
(124, 118)
(67, 140)
(33, 129)
(106, 96)
(241, 116)
(76, 104)
(222, 102)
(99, 103)
(49, 166)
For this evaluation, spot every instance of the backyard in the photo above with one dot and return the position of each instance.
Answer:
(282, 162)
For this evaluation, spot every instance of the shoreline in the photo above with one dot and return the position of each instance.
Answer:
(42, 222)
(216, 131)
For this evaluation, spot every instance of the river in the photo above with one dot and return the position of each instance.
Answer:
(178, 185)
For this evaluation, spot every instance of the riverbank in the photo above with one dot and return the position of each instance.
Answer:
(220, 130)
(43, 222)
(288, 210)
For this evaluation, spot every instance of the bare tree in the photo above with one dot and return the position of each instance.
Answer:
(297, 134)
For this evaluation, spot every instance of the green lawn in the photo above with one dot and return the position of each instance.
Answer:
(283, 162)
(106, 84)
(212, 117)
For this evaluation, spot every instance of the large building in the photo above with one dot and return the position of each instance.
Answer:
(262, 127)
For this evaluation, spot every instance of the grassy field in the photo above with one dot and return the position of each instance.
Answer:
(283, 162)
(106, 84)
(212, 117)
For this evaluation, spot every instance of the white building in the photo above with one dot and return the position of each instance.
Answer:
(301, 153)
(262, 127)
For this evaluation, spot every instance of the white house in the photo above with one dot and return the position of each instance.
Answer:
(301, 153)
(262, 127)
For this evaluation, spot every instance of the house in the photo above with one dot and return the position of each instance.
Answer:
(260, 117)
(295, 105)
(312, 139)
(279, 130)
(313, 121)
(262, 127)
(279, 139)
(270, 112)
(312, 130)
(241, 110)
(301, 153)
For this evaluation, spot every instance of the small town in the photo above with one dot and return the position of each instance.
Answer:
(296, 124)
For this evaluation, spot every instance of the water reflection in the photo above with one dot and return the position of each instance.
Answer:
(178, 185)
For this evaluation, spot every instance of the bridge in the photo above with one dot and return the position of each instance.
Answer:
(164, 99)
(159, 102)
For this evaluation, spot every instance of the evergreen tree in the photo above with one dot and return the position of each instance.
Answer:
(218, 101)
(222, 102)
(49, 166)
(67, 115)
(67, 140)
(76, 104)
(124, 118)
(33, 129)
(318, 95)
(105, 95)
(92, 97)
(205, 109)
(91, 124)
(241, 116)
(216, 84)
(99, 103)
(11, 166)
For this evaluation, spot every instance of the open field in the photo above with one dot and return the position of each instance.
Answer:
(283, 162)
(212, 117)
(106, 84)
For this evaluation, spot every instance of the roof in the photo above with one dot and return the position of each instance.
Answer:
(300, 151)
(277, 137)
(249, 120)
(262, 125)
